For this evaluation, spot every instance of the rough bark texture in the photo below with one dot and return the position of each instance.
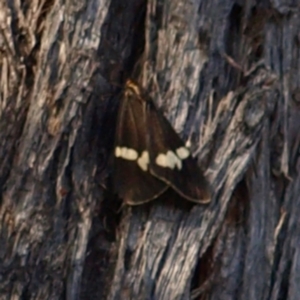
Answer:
(225, 73)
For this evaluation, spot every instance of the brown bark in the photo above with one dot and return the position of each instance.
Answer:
(225, 73)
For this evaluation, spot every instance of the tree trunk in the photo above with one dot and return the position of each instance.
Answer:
(225, 74)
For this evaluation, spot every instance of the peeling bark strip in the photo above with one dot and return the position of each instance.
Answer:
(47, 158)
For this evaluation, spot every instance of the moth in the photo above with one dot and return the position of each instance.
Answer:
(149, 156)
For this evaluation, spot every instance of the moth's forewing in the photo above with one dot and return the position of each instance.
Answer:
(171, 161)
(132, 182)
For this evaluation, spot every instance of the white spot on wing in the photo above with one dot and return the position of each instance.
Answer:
(188, 144)
(183, 153)
(169, 160)
(143, 160)
(117, 152)
(126, 153)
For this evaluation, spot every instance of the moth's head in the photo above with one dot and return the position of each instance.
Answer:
(131, 88)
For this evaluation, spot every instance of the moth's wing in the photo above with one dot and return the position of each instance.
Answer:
(172, 162)
(133, 184)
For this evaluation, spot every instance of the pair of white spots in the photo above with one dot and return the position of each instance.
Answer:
(131, 154)
(172, 160)
(168, 160)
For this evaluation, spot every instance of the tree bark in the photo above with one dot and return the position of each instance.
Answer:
(225, 73)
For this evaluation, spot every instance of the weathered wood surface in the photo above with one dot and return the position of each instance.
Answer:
(63, 234)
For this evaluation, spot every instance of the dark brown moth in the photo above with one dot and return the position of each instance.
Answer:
(149, 155)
